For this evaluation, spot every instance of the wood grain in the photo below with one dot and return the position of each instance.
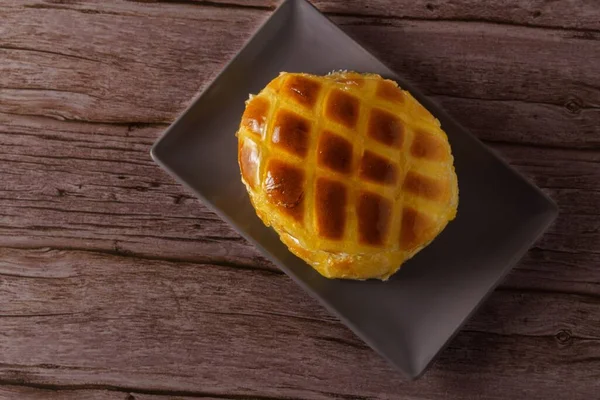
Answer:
(131, 207)
(116, 283)
(215, 321)
(578, 16)
(41, 393)
(552, 97)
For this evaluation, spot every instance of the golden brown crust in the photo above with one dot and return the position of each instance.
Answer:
(351, 171)
(331, 201)
(334, 152)
(386, 128)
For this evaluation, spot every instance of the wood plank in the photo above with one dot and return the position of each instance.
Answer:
(577, 229)
(479, 61)
(72, 393)
(159, 63)
(102, 191)
(20, 392)
(69, 185)
(577, 15)
(242, 333)
(528, 123)
(510, 91)
(558, 271)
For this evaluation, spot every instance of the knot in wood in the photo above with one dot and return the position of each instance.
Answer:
(563, 336)
(573, 105)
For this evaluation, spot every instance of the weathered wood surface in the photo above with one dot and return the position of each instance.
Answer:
(116, 283)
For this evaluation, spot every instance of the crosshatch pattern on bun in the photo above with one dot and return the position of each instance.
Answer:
(353, 173)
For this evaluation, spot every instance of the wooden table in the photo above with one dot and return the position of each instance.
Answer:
(116, 283)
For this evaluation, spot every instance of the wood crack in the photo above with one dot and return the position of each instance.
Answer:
(22, 276)
(117, 252)
(344, 342)
(283, 315)
(201, 239)
(138, 390)
(547, 103)
(38, 89)
(56, 53)
(551, 292)
(35, 315)
(128, 214)
(586, 33)
(552, 146)
(150, 217)
(530, 336)
(148, 163)
(127, 124)
(267, 313)
(207, 3)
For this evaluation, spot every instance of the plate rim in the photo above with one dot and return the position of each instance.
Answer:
(412, 373)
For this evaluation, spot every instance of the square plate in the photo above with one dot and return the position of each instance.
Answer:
(410, 318)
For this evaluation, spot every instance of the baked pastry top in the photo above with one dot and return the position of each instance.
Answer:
(353, 173)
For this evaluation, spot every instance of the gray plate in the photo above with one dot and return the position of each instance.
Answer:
(411, 317)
